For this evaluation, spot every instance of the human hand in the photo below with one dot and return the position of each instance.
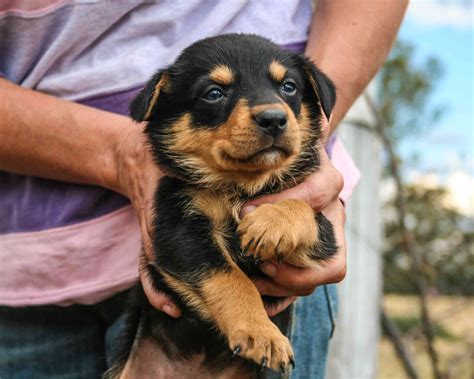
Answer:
(138, 177)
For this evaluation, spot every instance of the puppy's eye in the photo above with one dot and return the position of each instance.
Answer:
(214, 94)
(289, 87)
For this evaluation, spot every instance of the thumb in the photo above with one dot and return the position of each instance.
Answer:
(247, 209)
(158, 299)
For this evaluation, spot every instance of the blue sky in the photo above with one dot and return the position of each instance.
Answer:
(444, 29)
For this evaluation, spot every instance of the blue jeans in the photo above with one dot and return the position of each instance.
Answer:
(313, 326)
(76, 342)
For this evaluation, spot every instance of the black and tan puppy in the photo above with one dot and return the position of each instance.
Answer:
(234, 118)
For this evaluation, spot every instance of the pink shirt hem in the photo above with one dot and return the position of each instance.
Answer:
(82, 263)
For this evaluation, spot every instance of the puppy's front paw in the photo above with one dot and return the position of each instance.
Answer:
(264, 344)
(284, 230)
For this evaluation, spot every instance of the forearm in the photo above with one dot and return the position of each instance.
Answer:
(349, 41)
(44, 136)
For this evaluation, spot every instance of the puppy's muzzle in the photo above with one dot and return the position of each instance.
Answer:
(272, 122)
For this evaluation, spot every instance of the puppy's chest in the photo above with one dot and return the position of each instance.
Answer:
(222, 210)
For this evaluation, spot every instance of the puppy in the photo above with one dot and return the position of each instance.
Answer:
(234, 118)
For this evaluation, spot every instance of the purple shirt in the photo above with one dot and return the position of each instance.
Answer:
(68, 243)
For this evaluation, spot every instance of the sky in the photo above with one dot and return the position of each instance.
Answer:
(445, 29)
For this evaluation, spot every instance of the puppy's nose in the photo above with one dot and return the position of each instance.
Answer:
(272, 122)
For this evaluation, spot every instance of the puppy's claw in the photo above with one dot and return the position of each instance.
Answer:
(282, 368)
(279, 255)
(292, 362)
(258, 242)
(264, 363)
(236, 351)
(247, 247)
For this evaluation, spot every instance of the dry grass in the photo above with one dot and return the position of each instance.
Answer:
(454, 342)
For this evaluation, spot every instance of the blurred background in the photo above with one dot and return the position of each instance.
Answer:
(407, 305)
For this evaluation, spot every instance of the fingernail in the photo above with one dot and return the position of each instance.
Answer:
(268, 269)
(169, 310)
(247, 209)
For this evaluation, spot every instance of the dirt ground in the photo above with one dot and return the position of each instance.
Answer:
(454, 317)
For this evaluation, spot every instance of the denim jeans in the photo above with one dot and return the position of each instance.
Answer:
(49, 342)
(312, 328)
(76, 342)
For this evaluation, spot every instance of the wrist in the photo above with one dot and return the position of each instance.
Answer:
(134, 166)
(127, 155)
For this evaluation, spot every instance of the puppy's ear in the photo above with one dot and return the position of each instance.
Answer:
(142, 106)
(323, 88)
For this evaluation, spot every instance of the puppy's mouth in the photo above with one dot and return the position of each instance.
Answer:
(268, 155)
(268, 152)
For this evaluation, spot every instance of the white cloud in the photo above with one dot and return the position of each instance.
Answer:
(460, 194)
(428, 180)
(459, 187)
(459, 14)
(387, 189)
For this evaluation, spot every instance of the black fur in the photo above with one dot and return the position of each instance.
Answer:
(183, 243)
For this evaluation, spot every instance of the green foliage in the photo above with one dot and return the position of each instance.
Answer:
(405, 87)
(444, 238)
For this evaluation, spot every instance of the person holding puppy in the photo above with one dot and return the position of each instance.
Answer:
(69, 250)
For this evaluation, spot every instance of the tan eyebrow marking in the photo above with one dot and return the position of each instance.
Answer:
(163, 82)
(277, 71)
(222, 74)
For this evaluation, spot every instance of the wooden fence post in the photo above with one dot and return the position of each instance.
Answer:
(354, 347)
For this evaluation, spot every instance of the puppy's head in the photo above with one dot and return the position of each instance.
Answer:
(235, 111)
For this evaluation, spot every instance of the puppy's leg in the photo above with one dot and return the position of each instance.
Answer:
(288, 230)
(231, 301)
(239, 313)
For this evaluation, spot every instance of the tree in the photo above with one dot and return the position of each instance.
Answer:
(403, 90)
(445, 240)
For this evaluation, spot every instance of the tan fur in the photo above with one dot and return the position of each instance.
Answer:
(225, 156)
(284, 230)
(219, 210)
(304, 123)
(192, 297)
(222, 74)
(314, 85)
(277, 71)
(158, 88)
(239, 313)
(215, 206)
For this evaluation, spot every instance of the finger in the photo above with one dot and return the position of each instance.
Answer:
(302, 280)
(268, 287)
(158, 299)
(280, 307)
(294, 279)
(146, 235)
